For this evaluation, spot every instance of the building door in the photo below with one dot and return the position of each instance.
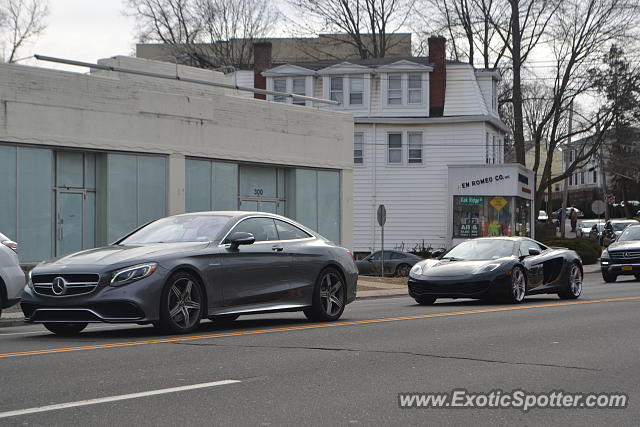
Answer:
(69, 222)
(260, 205)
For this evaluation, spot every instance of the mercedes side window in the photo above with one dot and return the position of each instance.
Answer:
(287, 231)
(397, 255)
(263, 229)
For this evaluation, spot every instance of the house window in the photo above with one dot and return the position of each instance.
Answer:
(595, 177)
(394, 92)
(395, 148)
(415, 147)
(581, 177)
(279, 85)
(358, 148)
(299, 84)
(570, 179)
(495, 150)
(486, 149)
(557, 187)
(494, 95)
(336, 89)
(356, 90)
(414, 94)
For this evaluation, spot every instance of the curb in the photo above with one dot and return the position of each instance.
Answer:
(6, 323)
(382, 296)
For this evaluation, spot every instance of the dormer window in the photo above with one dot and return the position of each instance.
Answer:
(394, 93)
(280, 85)
(299, 84)
(414, 89)
(336, 89)
(356, 90)
(290, 79)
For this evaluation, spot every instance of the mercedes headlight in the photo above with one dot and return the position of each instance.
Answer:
(605, 254)
(487, 268)
(131, 274)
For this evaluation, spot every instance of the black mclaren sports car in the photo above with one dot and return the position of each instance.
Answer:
(497, 267)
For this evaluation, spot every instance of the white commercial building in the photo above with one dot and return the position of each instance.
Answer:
(85, 158)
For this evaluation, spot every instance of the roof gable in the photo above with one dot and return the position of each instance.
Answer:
(289, 70)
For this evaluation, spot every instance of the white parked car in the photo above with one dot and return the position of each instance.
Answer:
(11, 275)
(585, 226)
(542, 216)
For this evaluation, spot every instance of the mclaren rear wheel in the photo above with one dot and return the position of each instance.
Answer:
(518, 288)
(574, 283)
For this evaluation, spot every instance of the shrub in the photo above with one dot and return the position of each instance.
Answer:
(589, 250)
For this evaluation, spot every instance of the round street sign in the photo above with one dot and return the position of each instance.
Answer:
(382, 215)
(598, 207)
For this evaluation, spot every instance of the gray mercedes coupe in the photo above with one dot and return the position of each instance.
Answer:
(177, 270)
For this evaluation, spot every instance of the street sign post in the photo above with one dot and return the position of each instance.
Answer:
(598, 207)
(382, 219)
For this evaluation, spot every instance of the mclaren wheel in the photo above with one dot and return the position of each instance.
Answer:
(329, 296)
(65, 329)
(518, 288)
(574, 283)
(181, 305)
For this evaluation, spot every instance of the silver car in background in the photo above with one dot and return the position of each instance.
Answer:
(11, 275)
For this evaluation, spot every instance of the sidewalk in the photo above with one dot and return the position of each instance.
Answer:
(368, 287)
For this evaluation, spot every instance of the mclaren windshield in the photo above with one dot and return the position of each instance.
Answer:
(481, 249)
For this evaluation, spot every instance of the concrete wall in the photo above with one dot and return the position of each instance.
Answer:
(118, 112)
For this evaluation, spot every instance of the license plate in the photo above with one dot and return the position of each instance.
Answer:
(627, 268)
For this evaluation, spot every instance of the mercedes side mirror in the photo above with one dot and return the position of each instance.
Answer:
(240, 238)
(533, 251)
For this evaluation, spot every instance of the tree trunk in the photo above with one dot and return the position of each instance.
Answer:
(518, 126)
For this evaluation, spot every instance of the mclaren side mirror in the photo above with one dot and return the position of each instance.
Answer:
(533, 251)
(240, 238)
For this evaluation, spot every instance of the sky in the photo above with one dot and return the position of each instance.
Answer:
(84, 30)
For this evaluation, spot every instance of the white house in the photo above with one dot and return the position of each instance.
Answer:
(414, 117)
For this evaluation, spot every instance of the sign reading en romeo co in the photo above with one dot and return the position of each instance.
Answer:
(484, 180)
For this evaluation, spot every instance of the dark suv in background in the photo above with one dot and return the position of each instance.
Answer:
(622, 257)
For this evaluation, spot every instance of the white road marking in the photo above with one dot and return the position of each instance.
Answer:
(113, 398)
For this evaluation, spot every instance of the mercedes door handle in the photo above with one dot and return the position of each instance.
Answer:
(277, 248)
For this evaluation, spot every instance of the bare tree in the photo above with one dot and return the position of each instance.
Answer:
(22, 20)
(205, 33)
(367, 24)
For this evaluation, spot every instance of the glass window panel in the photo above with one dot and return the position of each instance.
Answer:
(336, 89)
(287, 231)
(356, 89)
(329, 205)
(299, 84)
(197, 185)
(122, 205)
(358, 148)
(35, 193)
(90, 170)
(395, 140)
(248, 205)
(415, 81)
(90, 220)
(224, 190)
(263, 229)
(70, 169)
(477, 217)
(69, 222)
(279, 85)
(8, 192)
(415, 147)
(395, 81)
(306, 201)
(258, 181)
(395, 147)
(415, 97)
(151, 188)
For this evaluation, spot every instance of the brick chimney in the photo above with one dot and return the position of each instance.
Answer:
(261, 62)
(438, 77)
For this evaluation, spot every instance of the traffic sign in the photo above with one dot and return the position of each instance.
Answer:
(382, 215)
(598, 207)
(498, 203)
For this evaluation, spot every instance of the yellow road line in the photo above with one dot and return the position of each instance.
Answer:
(310, 326)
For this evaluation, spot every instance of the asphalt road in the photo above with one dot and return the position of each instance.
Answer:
(291, 372)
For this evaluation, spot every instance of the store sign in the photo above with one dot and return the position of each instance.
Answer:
(484, 180)
(469, 227)
(498, 203)
(470, 201)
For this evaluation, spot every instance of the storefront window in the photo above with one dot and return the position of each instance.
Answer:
(482, 216)
(523, 217)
